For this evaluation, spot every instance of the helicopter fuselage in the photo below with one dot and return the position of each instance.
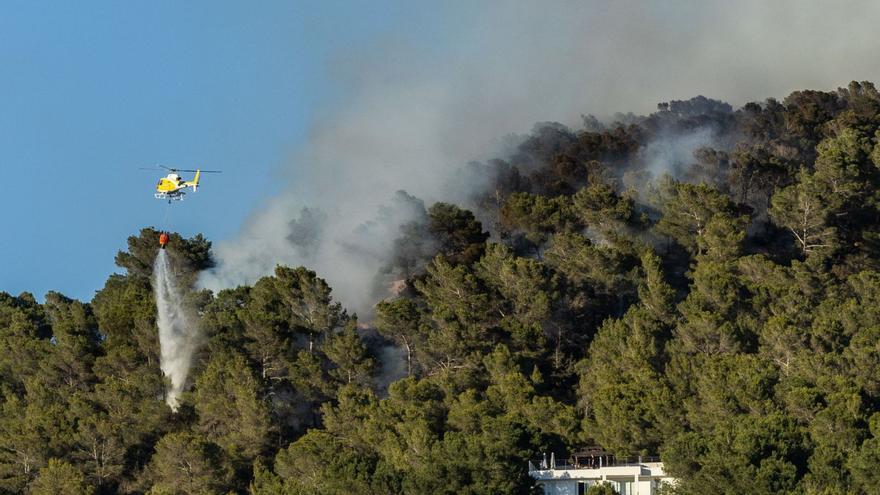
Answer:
(173, 187)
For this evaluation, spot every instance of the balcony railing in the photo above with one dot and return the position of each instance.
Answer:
(544, 464)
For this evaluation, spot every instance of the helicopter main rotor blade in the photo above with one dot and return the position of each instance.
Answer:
(163, 167)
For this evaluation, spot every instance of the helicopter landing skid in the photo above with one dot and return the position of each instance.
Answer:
(170, 198)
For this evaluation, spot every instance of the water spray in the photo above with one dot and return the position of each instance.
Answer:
(177, 337)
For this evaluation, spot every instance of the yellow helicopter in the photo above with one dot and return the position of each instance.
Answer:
(173, 187)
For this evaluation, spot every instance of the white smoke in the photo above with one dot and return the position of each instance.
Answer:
(673, 153)
(177, 334)
(415, 115)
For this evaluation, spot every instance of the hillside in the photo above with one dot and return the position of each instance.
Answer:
(701, 283)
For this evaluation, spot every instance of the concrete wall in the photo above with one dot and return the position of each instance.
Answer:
(622, 478)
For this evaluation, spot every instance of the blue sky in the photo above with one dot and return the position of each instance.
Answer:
(91, 91)
(389, 90)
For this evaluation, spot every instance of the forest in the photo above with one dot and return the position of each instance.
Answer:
(701, 283)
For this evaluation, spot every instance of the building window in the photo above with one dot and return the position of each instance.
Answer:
(582, 487)
(624, 487)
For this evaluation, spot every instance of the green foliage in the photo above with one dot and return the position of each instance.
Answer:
(655, 294)
(230, 409)
(687, 211)
(527, 287)
(189, 255)
(803, 209)
(864, 461)
(461, 314)
(621, 386)
(745, 454)
(601, 489)
(535, 216)
(601, 208)
(307, 299)
(59, 478)
(726, 319)
(401, 320)
(459, 235)
(184, 463)
(351, 360)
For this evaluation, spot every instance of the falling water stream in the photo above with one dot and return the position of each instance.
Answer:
(176, 333)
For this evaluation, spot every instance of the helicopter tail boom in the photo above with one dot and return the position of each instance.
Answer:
(195, 182)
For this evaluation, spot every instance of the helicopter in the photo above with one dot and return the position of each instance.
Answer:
(173, 187)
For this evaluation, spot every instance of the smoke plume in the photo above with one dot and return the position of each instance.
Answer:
(177, 338)
(417, 113)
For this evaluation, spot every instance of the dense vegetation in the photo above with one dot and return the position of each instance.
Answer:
(725, 316)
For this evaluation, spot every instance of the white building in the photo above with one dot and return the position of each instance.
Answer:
(637, 478)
